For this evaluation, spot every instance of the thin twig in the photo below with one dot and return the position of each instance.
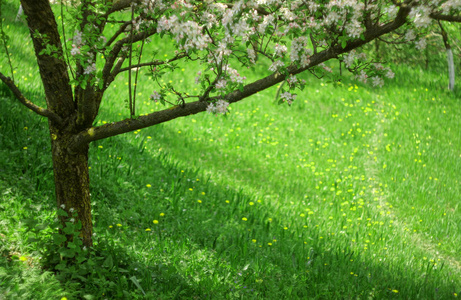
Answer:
(64, 39)
(129, 63)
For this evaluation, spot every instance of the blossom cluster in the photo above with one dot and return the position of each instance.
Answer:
(220, 107)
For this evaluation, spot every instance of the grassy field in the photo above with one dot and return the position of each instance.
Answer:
(351, 193)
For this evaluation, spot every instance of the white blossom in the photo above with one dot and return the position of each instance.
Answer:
(280, 49)
(75, 50)
(421, 44)
(288, 97)
(377, 81)
(276, 65)
(221, 84)
(78, 39)
(91, 68)
(389, 73)
(220, 107)
(155, 96)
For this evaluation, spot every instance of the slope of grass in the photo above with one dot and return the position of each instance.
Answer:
(349, 193)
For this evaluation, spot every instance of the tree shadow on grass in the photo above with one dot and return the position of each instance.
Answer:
(205, 250)
(317, 269)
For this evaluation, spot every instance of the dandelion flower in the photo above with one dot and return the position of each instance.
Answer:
(244, 219)
(155, 222)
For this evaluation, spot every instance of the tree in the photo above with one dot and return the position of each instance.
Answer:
(291, 36)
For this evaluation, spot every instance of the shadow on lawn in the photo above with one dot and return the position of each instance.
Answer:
(212, 228)
(325, 274)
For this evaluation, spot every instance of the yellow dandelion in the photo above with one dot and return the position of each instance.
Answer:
(162, 214)
(155, 222)
(244, 219)
(119, 225)
(199, 201)
(252, 203)
(395, 291)
(253, 240)
(110, 226)
(148, 229)
(148, 185)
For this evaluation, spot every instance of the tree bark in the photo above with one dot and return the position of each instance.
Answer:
(451, 70)
(72, 183)
(451, 65)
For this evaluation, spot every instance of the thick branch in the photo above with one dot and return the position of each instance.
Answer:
(37, 109)
(448, 18)
(120, 5)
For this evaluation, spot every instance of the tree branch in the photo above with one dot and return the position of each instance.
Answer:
(37, 109)
(152, 63)
(106, 72)
(100, 132)
(441, 17)
(120, 5)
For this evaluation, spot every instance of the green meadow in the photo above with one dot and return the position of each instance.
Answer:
(350, 193)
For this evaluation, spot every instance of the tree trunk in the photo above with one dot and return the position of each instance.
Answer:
(451, 69)
(70, 167)
(451, 65)
(72, 183)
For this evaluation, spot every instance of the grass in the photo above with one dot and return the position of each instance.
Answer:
(351, 193)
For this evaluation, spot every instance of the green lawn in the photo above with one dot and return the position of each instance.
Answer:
(350, 193)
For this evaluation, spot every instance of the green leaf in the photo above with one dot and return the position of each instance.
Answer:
(136, 283)
(83, 84)
(59, 239)
(62, 213)
(109, 262)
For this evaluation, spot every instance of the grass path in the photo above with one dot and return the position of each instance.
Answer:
(416, 239)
